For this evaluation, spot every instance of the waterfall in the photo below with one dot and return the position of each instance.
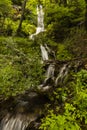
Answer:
(30, 110)
(14, 123)
(44, 53)
(62, 73)
(49, 76)
(25, 114)
(40, 21)
(48, 49)
(17, 122)
(50, 73)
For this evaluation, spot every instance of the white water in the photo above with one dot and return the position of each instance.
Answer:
(50, 71)
(13, 123)
(49, 76)
(44, 53)
(47, 48)
(40, 21)
(63, 72)
(17, 122)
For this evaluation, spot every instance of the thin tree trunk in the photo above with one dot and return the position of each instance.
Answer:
(56, 1)
(22, 17)
(63, 2)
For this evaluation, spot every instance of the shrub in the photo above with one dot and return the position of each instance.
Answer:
(20, 66)
(71, 115)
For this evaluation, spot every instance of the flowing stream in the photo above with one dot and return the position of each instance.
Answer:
(30, 110)
(62, 73)
(44, 53)
(14, 123)
(40, 21)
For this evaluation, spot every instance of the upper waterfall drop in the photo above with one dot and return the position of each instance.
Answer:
(40, 21)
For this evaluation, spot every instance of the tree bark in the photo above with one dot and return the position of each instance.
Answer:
(56, 1)
(22, 17)
(63, 2)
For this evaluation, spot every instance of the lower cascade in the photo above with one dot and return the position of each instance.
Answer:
(62, 73)
(14, 123)
(26, 114)
(28, 109)
(25, 111)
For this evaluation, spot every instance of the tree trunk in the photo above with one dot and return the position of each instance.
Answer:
(63, 2)
(22, 16)
(56, 1)
(86, 16)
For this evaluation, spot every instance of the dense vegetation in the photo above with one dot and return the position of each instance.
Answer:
(20, 59)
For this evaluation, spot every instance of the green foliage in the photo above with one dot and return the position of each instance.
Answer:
(5, 7)
(20, 66)
(32, 15)
(10, 83)
(27, 28)
(5, 12)
(60, 20)
(72, 115)
(76, 43)
(81, 94)
(67, 121)
(20, 60)
(17, 2)
(62, 53)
